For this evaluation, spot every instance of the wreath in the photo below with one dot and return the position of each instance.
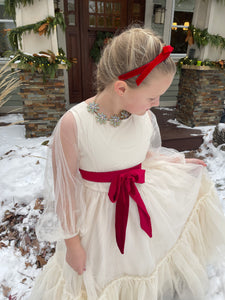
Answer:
(102, 39)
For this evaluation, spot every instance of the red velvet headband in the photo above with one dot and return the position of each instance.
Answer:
(144, 70)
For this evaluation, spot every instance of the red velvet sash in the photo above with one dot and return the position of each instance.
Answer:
(122, 186)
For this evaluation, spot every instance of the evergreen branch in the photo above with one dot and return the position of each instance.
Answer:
(46, 63)
(45, 27)
(196, 62)
(203, 38)
(10, 6)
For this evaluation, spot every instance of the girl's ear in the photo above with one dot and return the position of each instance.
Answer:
(120, 87)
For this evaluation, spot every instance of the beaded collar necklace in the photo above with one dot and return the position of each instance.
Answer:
(114, 120)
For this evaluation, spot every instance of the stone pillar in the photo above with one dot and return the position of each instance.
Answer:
(201, 96)
(44, 102)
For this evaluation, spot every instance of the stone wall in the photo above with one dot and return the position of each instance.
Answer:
(44, 102)
(201, 96)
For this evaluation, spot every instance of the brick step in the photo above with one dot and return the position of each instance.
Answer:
(174, 137)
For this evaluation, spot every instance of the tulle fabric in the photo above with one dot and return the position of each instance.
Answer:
(187, 219)
(156, 151)
(64, 208)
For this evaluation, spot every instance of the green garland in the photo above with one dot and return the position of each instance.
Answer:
(43, 62)
(219, 1)
(203, 38)
(102, 38)
(10, 6)
(48, 24)
(196, 62)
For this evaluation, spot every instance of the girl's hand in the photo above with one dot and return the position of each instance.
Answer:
(76, 255)
(195, 161)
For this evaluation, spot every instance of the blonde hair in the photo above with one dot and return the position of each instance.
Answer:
(131, 49)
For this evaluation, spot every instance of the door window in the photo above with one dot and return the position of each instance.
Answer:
(104, 14)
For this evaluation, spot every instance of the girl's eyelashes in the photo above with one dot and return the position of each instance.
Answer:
(151, 99)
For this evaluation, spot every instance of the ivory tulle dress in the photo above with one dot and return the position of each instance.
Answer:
(188, 225)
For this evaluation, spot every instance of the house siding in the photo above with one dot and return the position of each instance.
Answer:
(15, 102)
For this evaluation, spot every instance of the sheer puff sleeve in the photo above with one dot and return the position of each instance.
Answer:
(156, 151)
(64, 206)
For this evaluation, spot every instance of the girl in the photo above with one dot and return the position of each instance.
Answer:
(132, 221)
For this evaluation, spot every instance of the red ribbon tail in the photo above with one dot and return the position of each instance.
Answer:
(122, 210)
(145, 222)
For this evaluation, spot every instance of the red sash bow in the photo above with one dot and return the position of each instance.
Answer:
(122, 186)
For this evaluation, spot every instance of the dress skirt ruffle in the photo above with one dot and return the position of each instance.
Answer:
(188, 234)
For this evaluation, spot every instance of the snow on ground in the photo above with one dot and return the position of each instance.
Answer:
(22, 163)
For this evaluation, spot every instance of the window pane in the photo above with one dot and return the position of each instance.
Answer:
(92, 21)
(117, 22)
(178, 37)
(71, 5)
(71, 19)
(116, 8)
(2, 12)
(182, 16)
(136, 9)
(108, 7)
(100, 7)
(100, 21)
(4, 44)
(91, 6)
(109, 21)
(185, 5)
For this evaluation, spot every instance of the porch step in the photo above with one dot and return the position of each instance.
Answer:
(174, 137)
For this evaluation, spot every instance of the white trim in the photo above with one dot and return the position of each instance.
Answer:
(178, 56)
(208, 21)
(168, 21)
(179, 26)
(195, 15)
(173, 10)
(6, 21)
(148, 13)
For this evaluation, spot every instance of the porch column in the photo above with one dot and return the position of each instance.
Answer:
(210, 15)
(44, 101)
(33, 42)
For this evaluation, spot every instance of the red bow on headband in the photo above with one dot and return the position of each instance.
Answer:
(144, 70)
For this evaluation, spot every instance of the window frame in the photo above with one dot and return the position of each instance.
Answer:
(169, 32)
(3, 59)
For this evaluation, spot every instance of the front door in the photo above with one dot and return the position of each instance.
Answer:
(84, 19)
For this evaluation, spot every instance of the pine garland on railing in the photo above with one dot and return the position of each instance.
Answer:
(196, 62)
(203, 38)
(10, 6)
(44, 62)
(45, 27)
